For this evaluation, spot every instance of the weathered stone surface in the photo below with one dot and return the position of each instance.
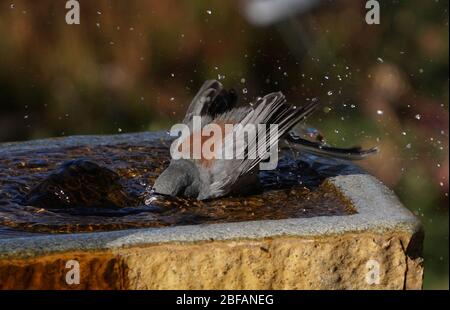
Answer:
(333, 262)
(97, 271)
(337, 262)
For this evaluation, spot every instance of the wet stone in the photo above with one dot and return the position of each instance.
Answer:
(103, 183)
(79, 184)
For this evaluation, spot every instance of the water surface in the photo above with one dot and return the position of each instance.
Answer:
(98, 183)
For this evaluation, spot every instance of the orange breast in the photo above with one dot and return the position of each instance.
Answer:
(214, 144)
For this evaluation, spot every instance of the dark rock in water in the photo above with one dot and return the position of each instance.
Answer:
(79, 183)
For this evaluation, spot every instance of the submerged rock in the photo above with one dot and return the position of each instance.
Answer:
(79, 183)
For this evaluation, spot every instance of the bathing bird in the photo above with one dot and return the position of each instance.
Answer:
(209, 177)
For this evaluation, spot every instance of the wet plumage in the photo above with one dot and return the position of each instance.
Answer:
(216, 177)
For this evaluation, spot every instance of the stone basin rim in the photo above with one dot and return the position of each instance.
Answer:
(379, 210)
(80, 140)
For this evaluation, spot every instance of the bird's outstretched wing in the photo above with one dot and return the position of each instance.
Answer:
(212, 99)
(271, 109)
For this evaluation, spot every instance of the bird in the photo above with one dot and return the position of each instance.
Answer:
(210, 178)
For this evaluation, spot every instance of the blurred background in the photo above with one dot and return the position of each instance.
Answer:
(134, 65)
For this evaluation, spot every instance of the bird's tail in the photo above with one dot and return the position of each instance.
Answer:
(273, 109)
(354, 153)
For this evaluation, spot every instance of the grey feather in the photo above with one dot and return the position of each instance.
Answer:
(221, 177)
(355, 153)
(212, 99)
(271, 109)
(181, 178)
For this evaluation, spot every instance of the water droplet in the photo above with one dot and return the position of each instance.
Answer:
(119, 129)
(380, 60)
(380, 112)
(12, 6)
(408, 146)
(329, 93)
(418, 116)
(149, 200)
(244, 90)
(326, 109)
(209, 12)
(243, 81)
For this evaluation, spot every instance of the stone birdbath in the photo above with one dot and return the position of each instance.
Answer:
(77, 213)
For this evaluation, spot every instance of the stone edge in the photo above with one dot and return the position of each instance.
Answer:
(379, 210)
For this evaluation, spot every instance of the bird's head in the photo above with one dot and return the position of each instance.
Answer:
(181, 178)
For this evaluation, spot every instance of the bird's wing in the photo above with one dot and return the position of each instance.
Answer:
(271, 109)
(211, 100)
